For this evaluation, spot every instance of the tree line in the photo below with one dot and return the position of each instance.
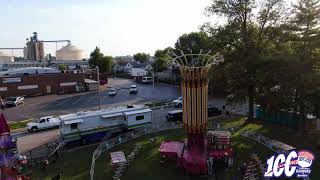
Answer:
(271, 51)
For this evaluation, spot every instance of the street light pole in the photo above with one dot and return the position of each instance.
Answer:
(153, 78)
(98, 79)
(115, 70)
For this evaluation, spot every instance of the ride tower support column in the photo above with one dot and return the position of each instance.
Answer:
(194, 86)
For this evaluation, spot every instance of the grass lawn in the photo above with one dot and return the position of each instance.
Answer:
(20, 124)
(76, 164)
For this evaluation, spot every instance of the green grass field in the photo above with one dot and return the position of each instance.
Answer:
(20, 124)
(75, 165)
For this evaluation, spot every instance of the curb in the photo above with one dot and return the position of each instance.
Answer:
(18, 130)
(170, 85)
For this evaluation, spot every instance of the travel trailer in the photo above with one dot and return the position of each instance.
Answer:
(92, 126)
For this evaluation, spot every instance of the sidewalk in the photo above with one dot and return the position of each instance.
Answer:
(34, 140)
(18, 130)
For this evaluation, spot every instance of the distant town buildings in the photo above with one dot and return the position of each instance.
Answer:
(4, 59)
(34, 49)
(140, 69)
(69, 55)
(133, 68)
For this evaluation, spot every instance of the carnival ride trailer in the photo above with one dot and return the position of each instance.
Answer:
(92, 126)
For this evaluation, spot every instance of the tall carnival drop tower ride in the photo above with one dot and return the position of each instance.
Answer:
(193, 153)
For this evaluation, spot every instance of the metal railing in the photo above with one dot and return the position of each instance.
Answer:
(104, 146)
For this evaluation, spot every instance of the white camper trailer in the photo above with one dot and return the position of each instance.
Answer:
(95, 125)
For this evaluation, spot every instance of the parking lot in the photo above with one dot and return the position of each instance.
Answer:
(36, 107)
(40, 106)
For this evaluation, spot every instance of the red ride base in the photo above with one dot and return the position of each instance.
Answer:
(194, 159)
(191, 154)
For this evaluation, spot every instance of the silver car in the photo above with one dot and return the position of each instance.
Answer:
(112, 92)
(14, 101)
(178, 102)
(133, 89)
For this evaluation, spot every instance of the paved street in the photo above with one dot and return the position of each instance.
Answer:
(62, 104)
(40, 106)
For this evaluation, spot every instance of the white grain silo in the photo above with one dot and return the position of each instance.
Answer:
(4, 59)
(69, 52)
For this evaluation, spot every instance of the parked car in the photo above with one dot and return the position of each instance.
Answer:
(112, 92)
(43, 123)
(147, 79)
(14, 101)
(175, 115)
(133, 89)
(2, 103)
(178, 102)
(213, 111)
(103, 82)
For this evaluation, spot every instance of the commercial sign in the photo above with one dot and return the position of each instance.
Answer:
(296, 163)
(11, 80)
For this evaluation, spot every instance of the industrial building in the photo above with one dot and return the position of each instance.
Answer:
(41, 84)
(69, 52)
(29, 71)
(4, 58)
(34, 49)
(38, 73)
(35, 56)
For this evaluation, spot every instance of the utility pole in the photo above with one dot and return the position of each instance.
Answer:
(153, 78)
(98, 79)
(115, 70)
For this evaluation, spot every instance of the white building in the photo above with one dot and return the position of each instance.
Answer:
(70, 64)
(29, 71)
(21, 64)
(140, 69)
(121, 66)
(5, 59)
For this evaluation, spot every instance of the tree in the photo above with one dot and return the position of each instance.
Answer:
(98, 59)
(193, 42)
(62, 67)
(141, 57)
(95, 57)
(105, 65)
(161, 59)
(306, 26)
(305, 39)
(254, 31)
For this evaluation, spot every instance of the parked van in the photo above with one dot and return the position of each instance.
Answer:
(147, 79)
(175, 115)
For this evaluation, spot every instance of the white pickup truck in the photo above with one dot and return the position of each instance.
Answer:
(43, 123)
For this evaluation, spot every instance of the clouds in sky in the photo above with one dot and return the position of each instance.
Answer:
(118, 27)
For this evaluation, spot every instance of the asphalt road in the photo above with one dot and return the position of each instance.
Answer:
(40, 106)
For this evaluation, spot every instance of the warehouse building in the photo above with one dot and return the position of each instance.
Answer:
(41, 84)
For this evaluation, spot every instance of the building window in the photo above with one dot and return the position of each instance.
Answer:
(74, 126)
(138, 118)
(3, 88)
(27, 87)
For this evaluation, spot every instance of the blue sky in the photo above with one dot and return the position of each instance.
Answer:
(118, 27)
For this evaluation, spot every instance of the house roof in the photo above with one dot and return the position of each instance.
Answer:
(138, 65)
(122, 63)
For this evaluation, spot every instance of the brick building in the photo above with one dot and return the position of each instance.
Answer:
(39, 84)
